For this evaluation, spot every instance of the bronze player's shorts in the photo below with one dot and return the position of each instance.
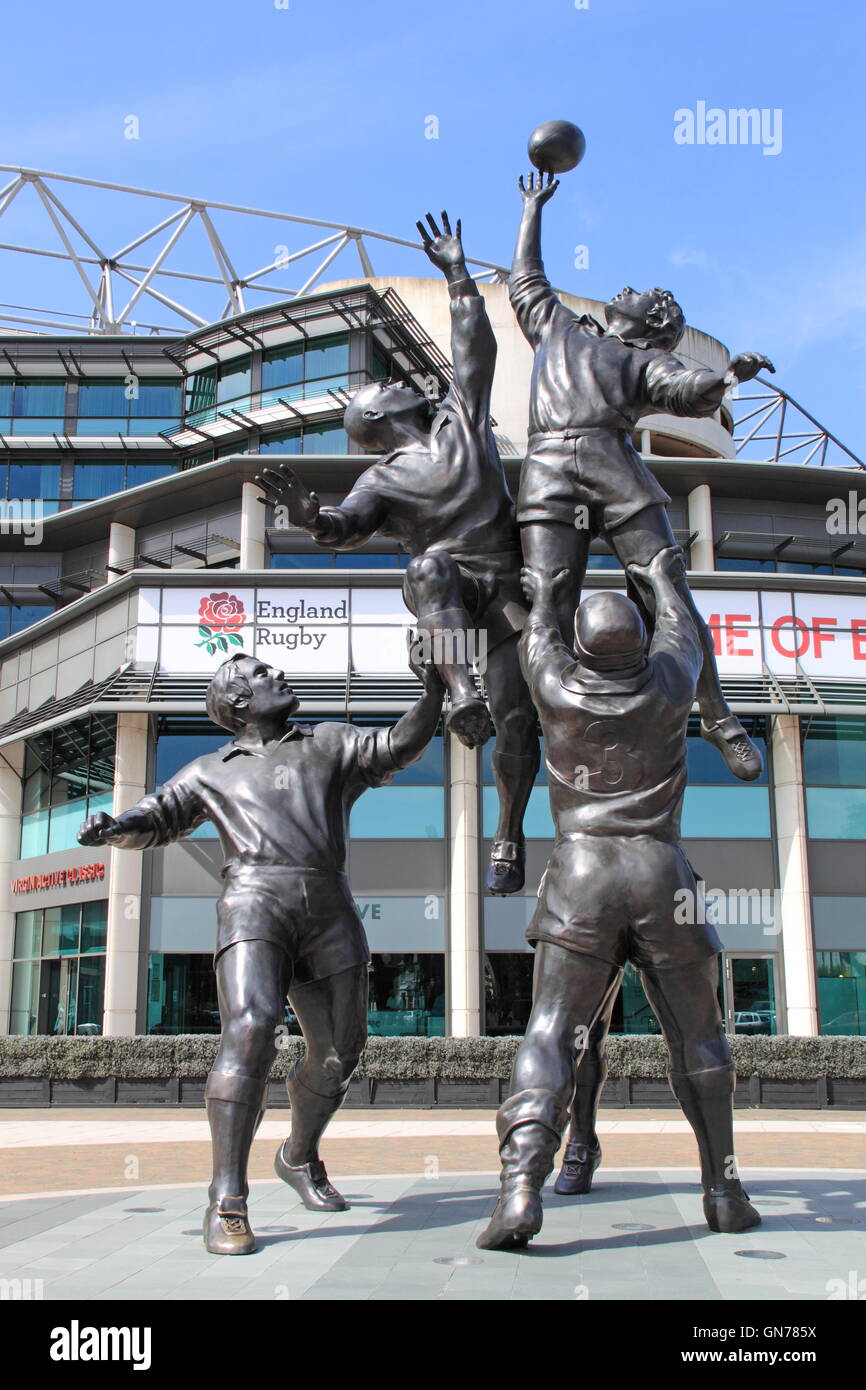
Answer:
(599, 469)
(308, 913)
(623, 898)
(491, 592)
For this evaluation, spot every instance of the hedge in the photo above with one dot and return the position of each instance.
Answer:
(69, 1058)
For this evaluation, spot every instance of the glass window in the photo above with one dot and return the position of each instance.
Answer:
(179, 743)
(6, 397)
(201, 391)
(138, 473)
(21, 616)
(37, 424)
(366, 560)
(182, 994)
(834, 753)
(507, 992)
(286, 442)
(34, 480)
(160, 398)
(28, 934)
(537, 820)
(59, 992)
(30, 398)
(430, 767)
(94, 926)
(327, 357)
(631, 1011)
(399, 813)
(103, 398)
(836, 813)
(24, 1011)
(320, 560)
(719, 813)
(842, 992)
(282, 366)
(78, 762)
(234, 379)
(325, 439)
(94, 480)
(407, 995)
(34, 835)
(60, 930)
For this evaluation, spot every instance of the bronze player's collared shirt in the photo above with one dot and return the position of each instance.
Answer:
(287, 805)
(616, 749)
(584, 378)
(452, 495)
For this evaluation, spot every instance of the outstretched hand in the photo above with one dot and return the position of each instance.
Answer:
(282, 487)
(535, 192)
(746, 365)
(445, 249)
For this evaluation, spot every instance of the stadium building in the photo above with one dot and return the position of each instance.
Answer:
(136, 553)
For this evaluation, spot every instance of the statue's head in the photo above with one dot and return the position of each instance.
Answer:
(384, 414)
(609, 634)
(654, 316)
(245, 691)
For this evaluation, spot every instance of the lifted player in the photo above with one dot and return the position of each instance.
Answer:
(279, 796)
(614, 723)
(582, 476)
(440, 491)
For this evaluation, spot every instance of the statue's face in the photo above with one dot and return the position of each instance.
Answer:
(271, 692)
(630, 308)
(375, 409)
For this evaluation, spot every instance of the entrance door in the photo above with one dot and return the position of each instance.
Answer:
(750, 995)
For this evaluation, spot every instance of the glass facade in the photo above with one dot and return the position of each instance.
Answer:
(842, 993)
(301, 371)
(834, 772)
(309, 439)
(411, 807)
(58, 970)
(68, 775)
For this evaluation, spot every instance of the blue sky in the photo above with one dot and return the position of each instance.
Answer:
(320, 109)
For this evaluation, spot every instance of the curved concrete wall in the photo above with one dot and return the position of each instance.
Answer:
(428, 301)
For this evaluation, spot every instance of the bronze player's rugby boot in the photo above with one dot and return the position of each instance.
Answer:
(226, 1228)
(729, 1210)
(579, 1162)
(506, 872)
(735, 746)
(311, 1183)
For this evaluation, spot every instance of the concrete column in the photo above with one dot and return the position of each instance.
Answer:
(464, 906)
(798, 945)
(121, 547)
(701, 521)
(11, 765)
(124, 885)
(253, 540)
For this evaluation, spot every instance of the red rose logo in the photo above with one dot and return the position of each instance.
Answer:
(219, 618)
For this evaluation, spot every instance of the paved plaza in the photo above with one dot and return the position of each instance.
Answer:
(114, 1211)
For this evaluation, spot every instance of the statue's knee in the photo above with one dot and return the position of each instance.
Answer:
(429, 571)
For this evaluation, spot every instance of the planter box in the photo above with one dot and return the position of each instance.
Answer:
(148, 1090)
(86, 1091)
(192, 1090)
(848, 1093)
(407, 1095)
(30, 1092)
(468, 1094)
